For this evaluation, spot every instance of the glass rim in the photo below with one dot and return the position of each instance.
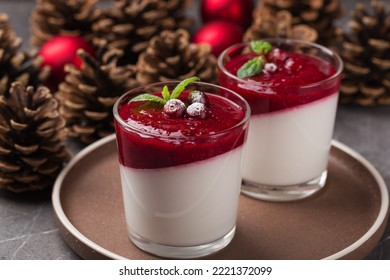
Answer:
(290, 41)
(242, 123)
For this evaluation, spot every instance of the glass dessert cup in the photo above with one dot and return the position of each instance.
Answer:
(181, 189)
(292, 117)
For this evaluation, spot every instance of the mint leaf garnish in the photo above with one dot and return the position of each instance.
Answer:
(181, 86)
(148, 97)
(251, 67)
(255, 65)
(165, 93)
(261, 47)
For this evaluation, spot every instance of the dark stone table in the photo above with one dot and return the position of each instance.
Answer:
(27, 227)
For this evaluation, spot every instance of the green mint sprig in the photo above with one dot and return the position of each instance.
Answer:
(255, 65)
(261, 47)
(165, 93)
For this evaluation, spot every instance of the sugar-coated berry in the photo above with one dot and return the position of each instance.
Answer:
(270, 68)
(277, 55)
(292, 65)
(174, 108)
(198, 96)
(197, 110)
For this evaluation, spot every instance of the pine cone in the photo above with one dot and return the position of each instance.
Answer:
(65, 17)
(366, 54)
(32, 134)
(176, 9)
(318, 14)
(171, 56)
(269, 23)
(17, 65)
(88, 94)
(131, 24)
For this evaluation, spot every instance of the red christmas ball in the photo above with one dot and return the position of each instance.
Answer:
(219, 35)
(237, 11)
(62, 50)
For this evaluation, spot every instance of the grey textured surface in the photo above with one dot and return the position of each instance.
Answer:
(27, 228)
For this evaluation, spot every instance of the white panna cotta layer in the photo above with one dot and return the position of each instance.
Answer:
(185, 205)
(290, 146)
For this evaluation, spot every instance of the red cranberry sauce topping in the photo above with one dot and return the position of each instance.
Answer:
(275, 88)
(175, 141)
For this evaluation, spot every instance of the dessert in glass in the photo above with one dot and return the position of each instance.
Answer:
(292, 88)
(180, 148)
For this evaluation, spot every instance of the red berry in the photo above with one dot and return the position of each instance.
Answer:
(197, 110)
(174, 108)
(198, 96)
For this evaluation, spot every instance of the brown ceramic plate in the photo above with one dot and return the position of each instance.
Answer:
(343, 221)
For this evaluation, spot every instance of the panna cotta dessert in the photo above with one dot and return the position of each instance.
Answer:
(180, 148)
(292, 89)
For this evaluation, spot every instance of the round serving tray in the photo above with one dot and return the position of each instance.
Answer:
(345, 220)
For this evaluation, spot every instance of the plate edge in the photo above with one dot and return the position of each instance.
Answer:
(383, 211)
(56, 202)
(57, 207)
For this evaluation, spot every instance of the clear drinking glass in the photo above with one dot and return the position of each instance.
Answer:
(181, 192)
(291, 125)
